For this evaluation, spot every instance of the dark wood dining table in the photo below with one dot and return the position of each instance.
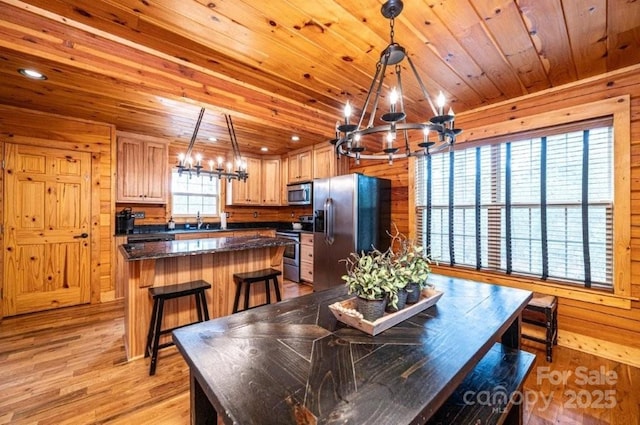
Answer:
(294, 363)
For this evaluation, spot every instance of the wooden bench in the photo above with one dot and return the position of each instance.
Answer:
(491, 393)
(162, 293)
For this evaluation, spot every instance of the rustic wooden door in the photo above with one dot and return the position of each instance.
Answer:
(47, 224)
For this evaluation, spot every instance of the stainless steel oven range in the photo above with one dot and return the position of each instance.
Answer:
(291, 257)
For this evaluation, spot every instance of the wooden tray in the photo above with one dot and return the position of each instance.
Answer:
(428, 297)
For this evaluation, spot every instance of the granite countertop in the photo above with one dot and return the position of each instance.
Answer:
(182, 248)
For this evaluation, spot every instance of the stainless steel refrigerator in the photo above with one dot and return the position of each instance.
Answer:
(352, 213)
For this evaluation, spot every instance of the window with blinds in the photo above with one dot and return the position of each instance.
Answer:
(538, 204)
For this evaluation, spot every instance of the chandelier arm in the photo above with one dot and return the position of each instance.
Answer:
(425, 93)
(368, 98)
(195, 133)
(378, 90)
(232, 136)
(405, 132)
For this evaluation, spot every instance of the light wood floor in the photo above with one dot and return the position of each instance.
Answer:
(68, 367)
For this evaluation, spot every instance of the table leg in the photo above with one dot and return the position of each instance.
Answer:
(202, 412)
(511, 337)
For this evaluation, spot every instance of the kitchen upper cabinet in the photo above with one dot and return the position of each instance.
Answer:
(263, 186)
(301, 165)
(284, 173)
(142, 171)
(248, 192)
(324, 161)
(271, 182)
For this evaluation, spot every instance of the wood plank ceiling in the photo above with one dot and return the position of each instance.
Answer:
(284, 67)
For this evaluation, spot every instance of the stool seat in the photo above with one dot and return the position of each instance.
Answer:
(542, 301)
(162, 293)
(248, 278)
(542, 311)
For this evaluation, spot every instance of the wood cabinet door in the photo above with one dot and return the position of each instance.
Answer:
(271, 186)
(248, 192)
(254, 182)
(324, 162)
(301, 166)
(130, 161)
(305, 164)
(142, 171)
(155, 173)
(48, 223)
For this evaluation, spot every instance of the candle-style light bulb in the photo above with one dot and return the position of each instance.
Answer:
(220, 162)
(440, 102)
(453, 116)
(198, 159)
(211, 164)
(190, 161)
(393, 99)
(390, 137)
(181, 159)
(347, 112)
(229, 166)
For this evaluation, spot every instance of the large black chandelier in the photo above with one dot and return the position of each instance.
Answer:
(351, 137)
(220, 169)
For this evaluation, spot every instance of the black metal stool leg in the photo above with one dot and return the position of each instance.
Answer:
(267, 290)
(247, 290)
(236, 299)
(198, 306)
(275, 282)
(152, 326)
(156, 338)
(205, 310)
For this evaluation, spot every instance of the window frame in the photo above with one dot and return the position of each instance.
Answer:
(217, 196)
(619, 109)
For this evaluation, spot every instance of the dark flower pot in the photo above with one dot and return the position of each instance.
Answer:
(371, 309)
(402, 300)
(414, 293)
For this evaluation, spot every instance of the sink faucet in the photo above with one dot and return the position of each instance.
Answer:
(199, 220)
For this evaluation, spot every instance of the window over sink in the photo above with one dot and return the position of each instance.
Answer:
(194, 194)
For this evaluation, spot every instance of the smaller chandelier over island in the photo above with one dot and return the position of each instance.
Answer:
(218, 168)
(354, 139)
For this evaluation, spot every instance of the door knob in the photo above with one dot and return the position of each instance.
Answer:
(81, 236)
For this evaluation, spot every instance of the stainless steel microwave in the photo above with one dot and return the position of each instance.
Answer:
(299, 193)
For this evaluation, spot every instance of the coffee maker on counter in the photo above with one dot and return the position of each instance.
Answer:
(125, 220)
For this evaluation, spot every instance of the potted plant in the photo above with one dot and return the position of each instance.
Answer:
(371, 276)
(411, 267)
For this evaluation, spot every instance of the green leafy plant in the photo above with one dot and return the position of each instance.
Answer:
(376, 274)
(370, 275)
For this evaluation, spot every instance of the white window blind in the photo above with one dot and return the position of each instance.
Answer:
(535, 204)
(192, 195)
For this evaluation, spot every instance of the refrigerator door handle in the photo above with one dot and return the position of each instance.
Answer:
(330, 219)
(325, 229)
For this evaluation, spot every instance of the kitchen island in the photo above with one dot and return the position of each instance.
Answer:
(214, 260)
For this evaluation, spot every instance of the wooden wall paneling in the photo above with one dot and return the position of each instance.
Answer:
(2, 145)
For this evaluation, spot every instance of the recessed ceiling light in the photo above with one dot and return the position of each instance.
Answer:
(264, 149)
(32, 73)
(295, 138)
(212, 139)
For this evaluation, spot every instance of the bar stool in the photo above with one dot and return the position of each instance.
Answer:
(162, 293)
(542, 311)
(264, 275)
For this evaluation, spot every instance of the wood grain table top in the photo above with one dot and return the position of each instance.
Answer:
(294, 363)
